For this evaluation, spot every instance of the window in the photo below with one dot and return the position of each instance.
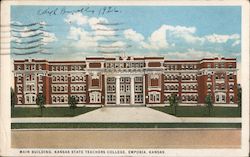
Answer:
(19, 78)
(40, 78)
(54, 99)
(40, 67)
(18, 67)
(32, 67)
(217, 98)
(19, 100)
(216, 65)
(223, 86)
(27, 67)
(220, 98)
(209, 76)
(154, 97)
(231, 98)
(209, 86)
(223, 97)
(27, 77)
(231, 86)
(209, 65)
(40, 88)
(217, 86)
(19, 89)
(222, 76)
(54, 88)
(95, 97)
(230, 76)
(138, 79)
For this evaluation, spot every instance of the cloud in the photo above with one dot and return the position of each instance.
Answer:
(24, 33)
(163, 37)
(88, 33)
(216, 38)
(130, 34)
(191, 54)
(82, 38)
(77, 18)
(237, 42)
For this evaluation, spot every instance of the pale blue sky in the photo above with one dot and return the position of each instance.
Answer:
(172, 31)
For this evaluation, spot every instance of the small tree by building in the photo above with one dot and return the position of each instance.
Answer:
(40, 101)
(13, 98)
(173, 101)
(72, 103)
(239, 95)
(209, 103)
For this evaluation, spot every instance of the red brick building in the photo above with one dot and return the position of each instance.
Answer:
(126, 80)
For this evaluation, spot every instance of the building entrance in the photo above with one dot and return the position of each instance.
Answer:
(125, 90)
(122, 90)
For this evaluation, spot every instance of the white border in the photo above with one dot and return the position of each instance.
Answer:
(6, 64)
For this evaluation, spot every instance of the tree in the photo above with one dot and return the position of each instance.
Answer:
(72, 103)
(13, 98)
(209, 103)
(239, 95)
(173, 100)
(40, 101)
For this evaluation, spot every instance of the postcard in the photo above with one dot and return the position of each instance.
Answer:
(124, 78)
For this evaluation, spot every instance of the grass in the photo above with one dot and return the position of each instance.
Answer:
(124, 125)
(50, 112)
(201, 111)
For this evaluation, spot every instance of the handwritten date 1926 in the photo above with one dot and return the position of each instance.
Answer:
(100, 11)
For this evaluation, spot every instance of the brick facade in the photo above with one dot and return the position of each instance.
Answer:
(126, 80)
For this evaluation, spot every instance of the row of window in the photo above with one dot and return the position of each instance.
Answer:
(183, 77)
(138, 98)
(219, 65)
(184, 87)
(64, 78)
(111, 98)
(64, 99)
(61, 88)
(220, 76)
(182, 67)
(65, 67)
(124, 65)
(221, 86)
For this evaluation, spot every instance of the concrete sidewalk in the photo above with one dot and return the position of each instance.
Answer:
(125, 114)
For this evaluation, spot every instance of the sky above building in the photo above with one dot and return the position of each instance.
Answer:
(175, 32)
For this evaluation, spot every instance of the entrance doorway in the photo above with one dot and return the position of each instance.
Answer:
(125, 83)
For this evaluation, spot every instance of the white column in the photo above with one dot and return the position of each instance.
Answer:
(117, 90)
(143, 90)
(132, 90)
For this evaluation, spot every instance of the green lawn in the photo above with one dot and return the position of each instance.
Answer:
(124, 125)
(201, 111)
(50, 112)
